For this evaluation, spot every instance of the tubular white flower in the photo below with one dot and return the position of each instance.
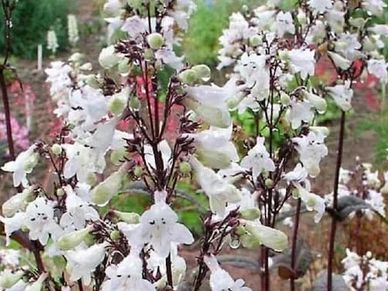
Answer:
(219, 191)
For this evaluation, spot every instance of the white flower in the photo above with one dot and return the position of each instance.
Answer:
(157, 264)
(77, 212)
(23, 165)
(374, 7)
(340, 61)
(220, 280)
(108, 58)
(159, 228)
(301, 61)
(284, 23)
(168, 57)
(214, 148)
(311, 200)
(300, 112)
(16, 203)
(311, 149)
(12, 224)
(134, 26)
(81, 262)
(219, 191)
(379, 69)
(321, 6)
(349, 46)
(40, 220)
(127, 275)
(257, 159)
(342, 95)
(81, 161)
(265, 235)
(210, 103)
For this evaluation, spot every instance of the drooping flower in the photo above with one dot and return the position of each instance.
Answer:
(159, 228)
(258, 159)
(214, 148)
(83, 261)
(22, 165)
(311, 200)
(78, 212)
(284, 23)
(311, 149)
(219, 190)
(301, 61)
(342, 95)
(220, 280)
(40, 220)
(127, 275)
(321, 6)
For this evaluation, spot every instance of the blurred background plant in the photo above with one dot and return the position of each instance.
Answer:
(31, 21)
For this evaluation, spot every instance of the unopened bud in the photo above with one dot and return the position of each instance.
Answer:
(56, 149)
(256, 40)
(155, 40)
(115, 235)
(184, 168)
(268, 183)
(8, 278)
(250, 214)
(73, 239)
(148, 54)
(188, 76)
(203, 72)
(128, 217)
(138, 171)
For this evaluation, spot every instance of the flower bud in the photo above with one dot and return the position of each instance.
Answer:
(124, 67)
(318, 102)
(250, 214)
(203, 72)
(115, 235)
(268, 236)
(188, 76)
(76, 57)
(73, 239)
(103, 192)
(138, 171)
(256, 40)
(134, 103)
(268, 183)
(184, 168)
(128, 217)
(60, 192)
(8, 278)
(155, 40)
(86, 67)
(108, 57)
(93, 82)
(16, 203)
(118, 102)
(118, 156)
(148, 54)
(31, 162)
(56, 149)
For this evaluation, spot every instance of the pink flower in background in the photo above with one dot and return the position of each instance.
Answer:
(19, 133)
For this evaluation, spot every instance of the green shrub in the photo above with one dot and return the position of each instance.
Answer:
(31, 20)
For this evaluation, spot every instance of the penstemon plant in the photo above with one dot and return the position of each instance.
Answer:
(126, 128)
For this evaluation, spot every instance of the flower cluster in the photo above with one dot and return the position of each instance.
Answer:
(364, 272)
(126, 128)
